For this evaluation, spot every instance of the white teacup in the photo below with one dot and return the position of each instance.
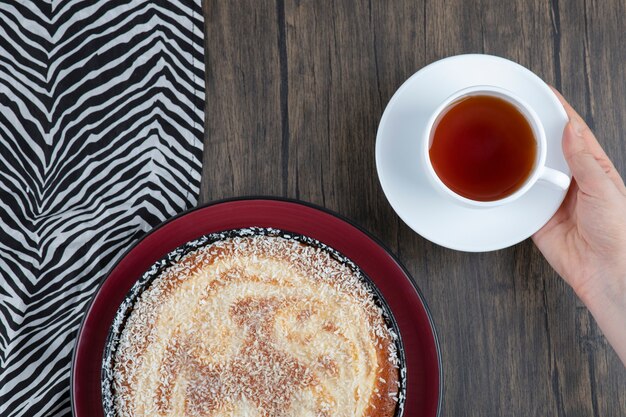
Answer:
(539, 171)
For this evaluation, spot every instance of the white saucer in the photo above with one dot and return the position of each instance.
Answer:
(410, 192)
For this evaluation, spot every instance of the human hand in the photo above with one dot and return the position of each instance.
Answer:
(585, 241)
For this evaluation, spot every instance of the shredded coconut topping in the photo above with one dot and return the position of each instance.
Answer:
(258, 324)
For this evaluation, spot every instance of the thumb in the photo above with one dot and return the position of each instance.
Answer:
(589, 174)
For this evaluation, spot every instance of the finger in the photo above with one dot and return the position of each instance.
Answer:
(592, 143)
(589, 174)
(580, 126)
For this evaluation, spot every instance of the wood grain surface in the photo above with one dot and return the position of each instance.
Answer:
(295, 91)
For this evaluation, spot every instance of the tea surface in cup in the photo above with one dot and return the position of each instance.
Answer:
(483, 148)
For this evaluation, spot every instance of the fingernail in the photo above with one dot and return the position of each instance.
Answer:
(577, 126)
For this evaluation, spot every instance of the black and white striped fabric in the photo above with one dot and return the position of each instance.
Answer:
(101, 124)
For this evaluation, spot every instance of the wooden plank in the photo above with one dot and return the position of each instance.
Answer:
(334, 109)
(593, 78)
(243, 140)
(295, 90)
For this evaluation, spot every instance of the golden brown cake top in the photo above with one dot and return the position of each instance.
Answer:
(256, 326)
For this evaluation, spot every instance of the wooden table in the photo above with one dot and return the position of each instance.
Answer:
(295, 91)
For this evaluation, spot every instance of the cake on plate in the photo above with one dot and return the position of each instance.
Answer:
(256, 325)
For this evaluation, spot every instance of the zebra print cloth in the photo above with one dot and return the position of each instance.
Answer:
(101, 125)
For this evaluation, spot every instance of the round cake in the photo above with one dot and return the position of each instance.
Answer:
(256, 325)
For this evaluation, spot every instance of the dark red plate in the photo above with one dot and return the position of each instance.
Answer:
(423, 358)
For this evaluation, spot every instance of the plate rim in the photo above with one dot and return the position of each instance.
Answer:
(375, 239)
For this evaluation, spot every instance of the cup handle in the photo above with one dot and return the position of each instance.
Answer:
(557, 178)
